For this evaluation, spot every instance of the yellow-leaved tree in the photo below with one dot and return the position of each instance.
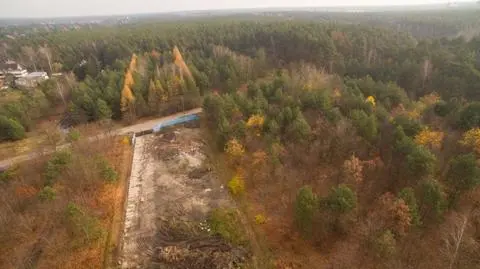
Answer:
(471, 139)
(255, 121)
(133, 63)
(234, 149)
(371, 100)
(128, 79)
(180, 63)
(236, 185)
(127, 100)
(429, 138)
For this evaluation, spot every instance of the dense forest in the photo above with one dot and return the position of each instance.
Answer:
(358, 142)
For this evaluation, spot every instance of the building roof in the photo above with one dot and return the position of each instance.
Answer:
(37, 74)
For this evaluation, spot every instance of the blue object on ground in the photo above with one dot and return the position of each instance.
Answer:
(181, 119)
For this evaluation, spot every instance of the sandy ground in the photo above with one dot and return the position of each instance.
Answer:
(171, 192)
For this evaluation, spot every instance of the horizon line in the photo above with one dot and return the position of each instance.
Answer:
(283, 8)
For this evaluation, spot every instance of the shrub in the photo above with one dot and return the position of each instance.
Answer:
(385, 245)
(73, 135)
(236, 186)
(10, 129)
(306, 203)
(125, 140)
(260, 219)
(106, 171)
(8, 174)
(83, 227)
(226, 223)
(47, 194)
(56, 165)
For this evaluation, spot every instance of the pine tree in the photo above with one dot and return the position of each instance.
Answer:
(103, 110)
(306, 204)
(161, 91)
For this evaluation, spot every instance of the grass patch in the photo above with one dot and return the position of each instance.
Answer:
(226, 223)
(24, 146)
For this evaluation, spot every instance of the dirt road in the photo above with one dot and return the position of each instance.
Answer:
(125, 130)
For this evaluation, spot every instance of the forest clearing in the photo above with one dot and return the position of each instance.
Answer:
(172, 193)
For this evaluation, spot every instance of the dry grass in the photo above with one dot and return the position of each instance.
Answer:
(117, 195)
(38, 234)
(24, 146)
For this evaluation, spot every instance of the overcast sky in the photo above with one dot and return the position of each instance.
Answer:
(61, 8)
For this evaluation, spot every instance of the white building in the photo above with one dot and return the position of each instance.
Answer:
(31, 80)
(11, 67)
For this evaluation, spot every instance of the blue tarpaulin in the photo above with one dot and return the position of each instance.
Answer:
(181, 119)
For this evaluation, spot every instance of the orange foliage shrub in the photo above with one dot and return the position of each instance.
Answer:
(394, 214)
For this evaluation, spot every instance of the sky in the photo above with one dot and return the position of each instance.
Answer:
(66, 8)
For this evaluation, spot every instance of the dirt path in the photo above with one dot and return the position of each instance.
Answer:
(172, 190)
(147, 125)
